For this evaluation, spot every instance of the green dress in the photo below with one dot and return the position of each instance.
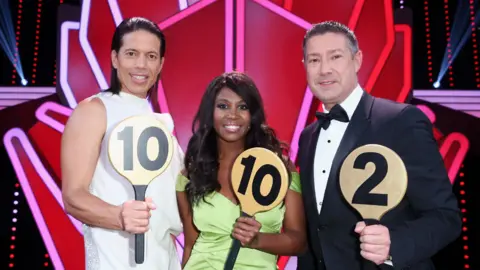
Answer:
(215, 223)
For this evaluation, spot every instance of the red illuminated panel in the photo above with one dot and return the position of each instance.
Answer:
(155, 10)
(188, 68)
(61, 235)
(46, 142)
(84, 85)
(280, 77)
(376, 36)
(324, 10)
(97, 28)
(453, 150)
(395, 79)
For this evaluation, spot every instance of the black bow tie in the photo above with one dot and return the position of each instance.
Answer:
(336, 113)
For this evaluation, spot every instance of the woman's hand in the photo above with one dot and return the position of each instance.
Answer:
(246, 230)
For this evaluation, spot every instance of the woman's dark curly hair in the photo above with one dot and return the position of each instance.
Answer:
(201, 157)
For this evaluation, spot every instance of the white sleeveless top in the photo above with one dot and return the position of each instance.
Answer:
(115, 250)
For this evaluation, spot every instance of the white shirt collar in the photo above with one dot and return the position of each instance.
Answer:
(351, 102)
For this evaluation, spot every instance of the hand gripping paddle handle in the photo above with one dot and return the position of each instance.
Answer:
(140, 237)
(234, 249)
(367, 264)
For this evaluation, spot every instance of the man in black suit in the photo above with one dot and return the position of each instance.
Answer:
(425, 221)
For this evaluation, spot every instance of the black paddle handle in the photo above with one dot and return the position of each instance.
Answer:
(234, 249)
(367, 264)
(140, 237)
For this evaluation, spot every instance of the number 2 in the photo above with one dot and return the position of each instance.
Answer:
(363, 194)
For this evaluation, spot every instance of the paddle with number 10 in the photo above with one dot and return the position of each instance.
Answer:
(373, 180)
(260, 182)
(140, 149)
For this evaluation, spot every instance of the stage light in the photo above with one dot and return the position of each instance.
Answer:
(449, 45)
(24, 82)
(436, 84)
(10, 37)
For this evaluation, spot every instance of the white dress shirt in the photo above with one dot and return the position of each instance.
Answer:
(327, 146)
(328, 143)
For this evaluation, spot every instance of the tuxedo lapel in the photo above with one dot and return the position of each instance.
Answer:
(358, 124)
(311, 145)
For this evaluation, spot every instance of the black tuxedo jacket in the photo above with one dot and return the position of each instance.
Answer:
(426, 220)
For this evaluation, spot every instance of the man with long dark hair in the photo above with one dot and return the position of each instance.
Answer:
(93, 192)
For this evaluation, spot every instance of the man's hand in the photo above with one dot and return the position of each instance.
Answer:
(375, 242)
(135, 215)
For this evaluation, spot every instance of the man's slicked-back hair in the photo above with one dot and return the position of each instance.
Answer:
(331, 27)
(127, 26)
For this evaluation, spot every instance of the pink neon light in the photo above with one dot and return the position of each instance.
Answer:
(116, 14)
(301, 121)
(22, 96)
(473, 113)
(460, 155)
(22, 178)
(87, 48)
(285, 14)
(42, 116)
(428, 112)
(462, 106)
(240, 35)
(454, 99)
(446, 93)
(229, 36)
(182, 4)
(357, 9)
(307, 98)
(11, 102)
(39, 90)
(185, 13)
(46, 177)
(162, 98)
(386, 50)
(67, 91)
(407, 61)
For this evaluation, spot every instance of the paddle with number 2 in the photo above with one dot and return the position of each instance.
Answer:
(260, 182)
(373, 180)
(140, 149)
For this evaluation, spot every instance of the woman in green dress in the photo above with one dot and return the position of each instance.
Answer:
(231, 119)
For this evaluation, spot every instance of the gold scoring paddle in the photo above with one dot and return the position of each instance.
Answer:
(140, 148)
(373, 180)
(260, 182)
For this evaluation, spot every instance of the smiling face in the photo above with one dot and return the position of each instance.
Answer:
(138, 62)
(331, 67)
(231, 116)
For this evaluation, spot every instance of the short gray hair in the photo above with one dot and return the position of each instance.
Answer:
(331, 27)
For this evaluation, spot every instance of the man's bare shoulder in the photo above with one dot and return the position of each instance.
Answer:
(88, 113)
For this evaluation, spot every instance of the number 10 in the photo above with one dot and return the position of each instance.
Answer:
(126, 135)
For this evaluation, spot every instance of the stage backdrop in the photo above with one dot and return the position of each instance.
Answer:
(204, 39)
